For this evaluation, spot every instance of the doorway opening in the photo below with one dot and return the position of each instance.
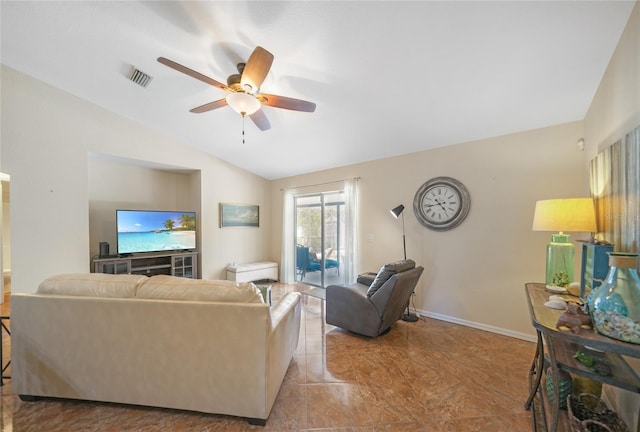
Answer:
(320, 238)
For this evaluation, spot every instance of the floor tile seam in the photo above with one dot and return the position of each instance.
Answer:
(405, 422)
(488, 416)
(484, 363)
(452, 390)
(368, 422)
(318, 384)
(369, 407)
(398, 411)
(366, 381)
(337, 428)
(463, 364)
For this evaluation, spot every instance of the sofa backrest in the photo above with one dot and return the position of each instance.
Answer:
(92, 285)
(160, 287)
(392, 297)
(164, 287)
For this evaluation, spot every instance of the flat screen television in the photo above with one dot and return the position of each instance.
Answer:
(155, 231)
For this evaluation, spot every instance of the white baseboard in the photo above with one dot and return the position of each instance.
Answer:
(480, 326)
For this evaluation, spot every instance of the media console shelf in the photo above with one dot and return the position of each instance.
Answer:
(181, 264)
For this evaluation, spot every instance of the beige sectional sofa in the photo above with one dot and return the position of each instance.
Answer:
(209, 346)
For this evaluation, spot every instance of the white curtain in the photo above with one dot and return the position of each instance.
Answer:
(287, 269)
(615, 186)
(352, 255)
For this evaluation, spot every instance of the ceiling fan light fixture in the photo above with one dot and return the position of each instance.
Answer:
(243, 103)
(249, 87)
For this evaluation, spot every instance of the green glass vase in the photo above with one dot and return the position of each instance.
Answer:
(560, 258)
(564, 386)
(615, 305)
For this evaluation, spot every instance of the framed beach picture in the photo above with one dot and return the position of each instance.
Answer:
(239, 215)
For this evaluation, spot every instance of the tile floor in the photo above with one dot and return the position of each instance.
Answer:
(425, 376)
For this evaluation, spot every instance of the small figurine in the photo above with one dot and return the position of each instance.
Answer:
(599, 366)
(574, 318)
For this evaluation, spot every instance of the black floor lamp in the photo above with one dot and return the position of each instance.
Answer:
(396, 212)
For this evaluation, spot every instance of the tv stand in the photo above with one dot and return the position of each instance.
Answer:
(181, 264)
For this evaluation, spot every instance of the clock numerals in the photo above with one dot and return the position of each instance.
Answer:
(441, 203)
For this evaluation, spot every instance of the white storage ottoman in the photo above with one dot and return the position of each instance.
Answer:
(253, 271)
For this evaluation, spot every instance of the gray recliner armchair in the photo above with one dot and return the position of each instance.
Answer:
(370, 307)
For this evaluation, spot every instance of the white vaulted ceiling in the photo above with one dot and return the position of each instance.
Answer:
(388, 77)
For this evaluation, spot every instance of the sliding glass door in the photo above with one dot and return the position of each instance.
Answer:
(320, 238)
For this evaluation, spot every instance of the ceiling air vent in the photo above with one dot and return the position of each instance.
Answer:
(139, 77)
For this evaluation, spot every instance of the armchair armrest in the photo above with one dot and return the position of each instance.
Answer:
(366, 278)
(283, 308)
(350, 308)
(282, 344)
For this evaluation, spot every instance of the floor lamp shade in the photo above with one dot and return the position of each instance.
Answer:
(397, 211)
(571, 214)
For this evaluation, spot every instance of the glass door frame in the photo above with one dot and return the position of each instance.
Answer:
(323, 204)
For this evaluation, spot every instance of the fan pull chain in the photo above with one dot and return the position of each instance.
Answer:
(243, 115)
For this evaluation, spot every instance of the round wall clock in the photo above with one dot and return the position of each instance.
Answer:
(442, 203)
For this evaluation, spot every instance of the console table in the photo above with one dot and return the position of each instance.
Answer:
(560, 346)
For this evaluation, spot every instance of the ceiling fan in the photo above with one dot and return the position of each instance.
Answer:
(243, 89)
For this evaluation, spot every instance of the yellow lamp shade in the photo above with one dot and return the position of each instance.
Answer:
(570, 214)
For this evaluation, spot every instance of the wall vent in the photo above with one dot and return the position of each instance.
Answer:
(139, 77)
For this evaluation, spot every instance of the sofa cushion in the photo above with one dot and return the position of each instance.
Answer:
(176, 288)
(92, 285)
(387, 271)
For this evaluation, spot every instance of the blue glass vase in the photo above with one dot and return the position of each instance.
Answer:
(615, 305)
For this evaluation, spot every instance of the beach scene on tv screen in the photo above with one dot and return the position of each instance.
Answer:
(153, 231)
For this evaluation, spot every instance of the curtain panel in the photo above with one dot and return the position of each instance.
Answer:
(615, 187)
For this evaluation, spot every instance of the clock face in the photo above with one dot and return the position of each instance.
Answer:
(442, 203)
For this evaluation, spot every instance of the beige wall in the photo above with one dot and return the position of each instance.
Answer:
(615, 109)
(614, 112)
(122, 184)
(474, 274)
(46, 139)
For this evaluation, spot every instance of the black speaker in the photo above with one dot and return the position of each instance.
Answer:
(104, 249)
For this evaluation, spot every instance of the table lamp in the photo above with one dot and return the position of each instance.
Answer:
(570, 214)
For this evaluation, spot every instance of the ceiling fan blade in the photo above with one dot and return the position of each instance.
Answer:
(286, 103)
(192, 73)
(210, 106)
(256, 70)
(261, 120)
